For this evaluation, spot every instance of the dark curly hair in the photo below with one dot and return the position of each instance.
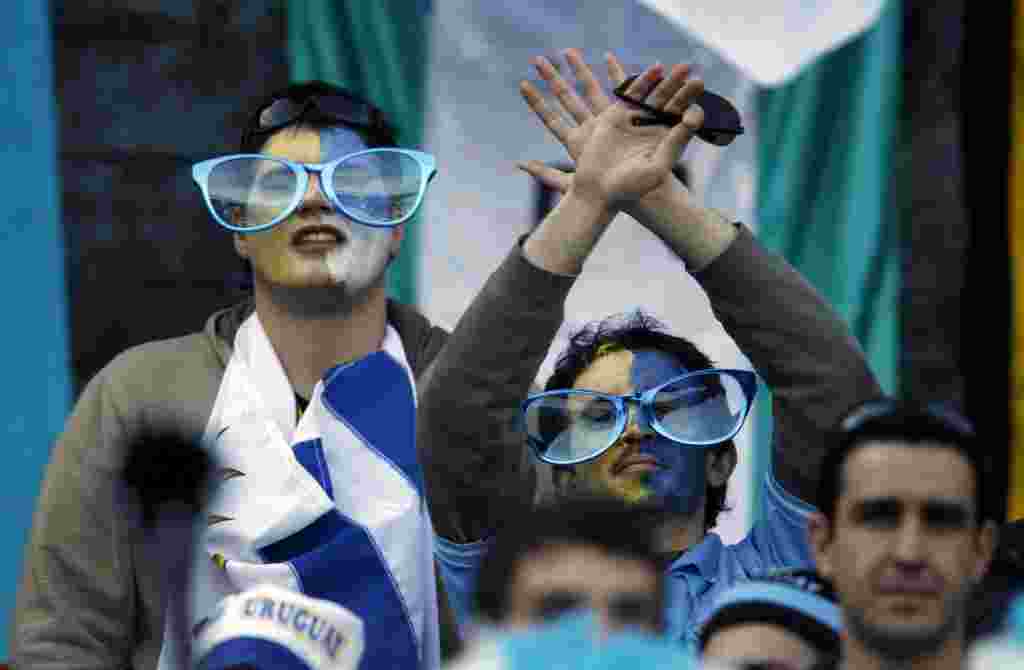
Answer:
(634, 331)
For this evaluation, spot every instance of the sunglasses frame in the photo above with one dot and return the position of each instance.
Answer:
(201, 173)
(722, 121)
(747, 381)
(370, 117)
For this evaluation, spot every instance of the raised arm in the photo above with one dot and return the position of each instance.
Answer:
(795, 340)
(471, 446)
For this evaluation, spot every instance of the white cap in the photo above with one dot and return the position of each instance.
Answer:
(271, 628)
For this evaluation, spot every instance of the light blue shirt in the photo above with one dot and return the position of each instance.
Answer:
(777, 540)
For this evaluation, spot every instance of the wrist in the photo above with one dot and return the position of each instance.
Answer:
(698, 235)
(590, 202)
(664, 206)
(564, 240)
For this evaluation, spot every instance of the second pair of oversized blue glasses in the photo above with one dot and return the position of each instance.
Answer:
(697, 409)
(247, 193)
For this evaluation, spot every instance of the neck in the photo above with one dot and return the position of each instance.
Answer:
(950, 656)
(310, 341)
(679, 533)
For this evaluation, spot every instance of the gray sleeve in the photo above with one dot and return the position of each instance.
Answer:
(76, 606)
(473, 451)
(798, 345)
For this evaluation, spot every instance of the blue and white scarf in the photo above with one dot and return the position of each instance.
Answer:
(332, 508)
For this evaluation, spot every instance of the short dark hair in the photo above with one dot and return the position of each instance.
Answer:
(905, 421)
(622, 530)
(634, 331)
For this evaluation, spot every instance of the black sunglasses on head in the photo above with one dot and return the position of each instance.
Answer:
(340, 107)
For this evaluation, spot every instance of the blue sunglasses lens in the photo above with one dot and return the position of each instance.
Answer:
(701, 409)
(250, 192)
(380, 188)
(567, 428)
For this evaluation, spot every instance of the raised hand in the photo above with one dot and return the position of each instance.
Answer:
(624, 164)
(617, 161)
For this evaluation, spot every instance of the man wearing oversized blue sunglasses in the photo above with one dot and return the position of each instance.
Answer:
(632, 411)
(302, 394)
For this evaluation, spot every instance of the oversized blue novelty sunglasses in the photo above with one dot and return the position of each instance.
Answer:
(247, 193)
(697, 409)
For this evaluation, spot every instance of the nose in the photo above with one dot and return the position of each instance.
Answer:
(909, 541)
(637, 427)
(314, 200)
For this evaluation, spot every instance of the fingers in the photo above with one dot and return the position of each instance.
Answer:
(646, 82)
(685, 97)
(565, 93)
(616, 72)
(592, 91)
(668, 86)
(551, 119)
(547, 175)
(673, 144)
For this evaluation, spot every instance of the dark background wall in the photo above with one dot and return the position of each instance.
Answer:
(145, 88)
(952, 176)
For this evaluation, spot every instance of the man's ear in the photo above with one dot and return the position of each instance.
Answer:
(720, 463)
(819, 537)
(988, 538)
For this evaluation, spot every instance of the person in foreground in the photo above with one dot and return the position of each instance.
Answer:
(789, 618)
(902, 534)
(631, 411)
(301, 394)
(592, 554)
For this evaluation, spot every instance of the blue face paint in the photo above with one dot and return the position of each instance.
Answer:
(680, 484)
(339, 141)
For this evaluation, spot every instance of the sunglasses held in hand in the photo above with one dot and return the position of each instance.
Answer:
(721, 120)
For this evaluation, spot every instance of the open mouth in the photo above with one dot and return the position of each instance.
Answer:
(317, 236)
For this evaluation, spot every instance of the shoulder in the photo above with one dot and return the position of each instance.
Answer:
(164, 383)
(170, 361)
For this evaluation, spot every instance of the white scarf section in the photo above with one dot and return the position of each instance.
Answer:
(264, 495)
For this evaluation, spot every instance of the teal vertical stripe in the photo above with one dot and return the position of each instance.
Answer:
(37, 389)
(379, 50)
(825, 200)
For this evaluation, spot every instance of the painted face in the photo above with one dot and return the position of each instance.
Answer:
(643, 466)
(318, 247)
(904, 549)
